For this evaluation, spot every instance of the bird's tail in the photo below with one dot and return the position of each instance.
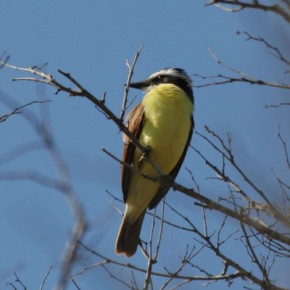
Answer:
(128, 236)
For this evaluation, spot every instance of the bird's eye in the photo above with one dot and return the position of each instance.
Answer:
(158, 79)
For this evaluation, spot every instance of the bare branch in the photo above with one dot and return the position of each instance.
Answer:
(242, 272)
(75, 284)
(18, 110)
(45, 277)
(17, 280)
(277, 105)
(275, 50)
(242, 77)
(284, 148)
(150, 261)
(63, 184)
(166, 274)
(3, 59)
(256, 4)
(255, 259)
(81, 92)
(131, 71)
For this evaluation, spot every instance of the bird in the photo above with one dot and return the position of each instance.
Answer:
(163, 123)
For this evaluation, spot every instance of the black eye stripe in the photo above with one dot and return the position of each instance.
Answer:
(158, 79)
(178, 81)
(167, 79)
(163, 79)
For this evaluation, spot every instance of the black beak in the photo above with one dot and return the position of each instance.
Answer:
(140, 85)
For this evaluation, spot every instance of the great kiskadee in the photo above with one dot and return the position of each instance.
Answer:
(163, 123)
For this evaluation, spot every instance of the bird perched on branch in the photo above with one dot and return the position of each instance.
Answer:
(163, 123)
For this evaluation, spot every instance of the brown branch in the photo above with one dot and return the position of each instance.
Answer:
(241, 5)
(152, 259)
(31, 176)
(82, 92)
(255, 258)
(4, 58)
(276, 51)
(18, 110)
(227, 154)
(105, 260)
(116, 278)
(187, 257)
(63, 184)
(229, 212)
(217, 206)
(45, 278)
(130, 75)
(20, 150)
(284, 148)
(241, 271)
(75, 284)
(17, 280)
(242, 77)
(277, 105)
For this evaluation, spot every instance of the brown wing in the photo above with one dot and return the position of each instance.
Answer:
(135, 123)
(164, 189)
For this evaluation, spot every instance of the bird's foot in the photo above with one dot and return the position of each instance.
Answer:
(144, 153)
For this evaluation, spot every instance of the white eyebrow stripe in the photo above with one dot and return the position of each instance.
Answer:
(174, 72)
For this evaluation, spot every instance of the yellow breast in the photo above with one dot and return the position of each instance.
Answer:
(167, 124)
(165, 130)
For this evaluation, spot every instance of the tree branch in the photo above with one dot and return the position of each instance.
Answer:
(256, 4)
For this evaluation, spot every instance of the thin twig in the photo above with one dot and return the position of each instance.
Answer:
(241, 5)
(221, 79)
(17, 280)
(127, 86)
(45, 277)
(18, 110)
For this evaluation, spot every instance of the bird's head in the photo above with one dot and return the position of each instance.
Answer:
(176, 76)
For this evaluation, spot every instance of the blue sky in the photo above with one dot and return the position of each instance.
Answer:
(91, 40)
